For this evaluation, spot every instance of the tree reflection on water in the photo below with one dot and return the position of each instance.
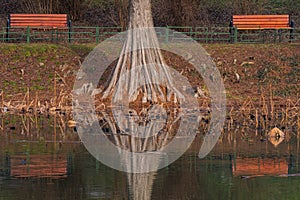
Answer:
(218, 176)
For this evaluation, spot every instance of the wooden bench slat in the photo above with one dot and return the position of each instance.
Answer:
(285, 25)
(261, 20)
(259, 16)
(274, 19)
(44, 17)
(38, 24)
(41, 19)
(35, 21)
(261, 27)
(45, 22)
(29, 22)
(261, 23)
(38, 15)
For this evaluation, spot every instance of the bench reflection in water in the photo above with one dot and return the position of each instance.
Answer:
(39, 166)
(259, 167)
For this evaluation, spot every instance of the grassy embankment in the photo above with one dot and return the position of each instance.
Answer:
(250, 72)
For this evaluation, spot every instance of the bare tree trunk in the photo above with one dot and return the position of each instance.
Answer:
(141, 70)
(141, 185)
(141, 62)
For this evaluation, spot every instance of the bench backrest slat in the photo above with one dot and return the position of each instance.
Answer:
(261, 21)
(36, 20)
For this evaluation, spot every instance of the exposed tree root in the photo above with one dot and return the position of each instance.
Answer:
(141, 68)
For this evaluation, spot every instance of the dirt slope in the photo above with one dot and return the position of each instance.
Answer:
(248, 70)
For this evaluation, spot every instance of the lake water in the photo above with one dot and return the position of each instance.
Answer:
(37, 162)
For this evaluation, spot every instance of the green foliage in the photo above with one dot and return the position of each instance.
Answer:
(82, 50)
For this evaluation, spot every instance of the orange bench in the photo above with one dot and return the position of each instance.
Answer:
(261, 22)
(45, 21)
(38, 20)
(246, 22)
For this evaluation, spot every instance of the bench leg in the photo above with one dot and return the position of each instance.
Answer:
(7, 30)
(291, 35)
(292, 24)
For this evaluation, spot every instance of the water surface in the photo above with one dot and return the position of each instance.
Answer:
(46, 163)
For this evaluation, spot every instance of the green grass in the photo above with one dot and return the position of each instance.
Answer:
(82, 49)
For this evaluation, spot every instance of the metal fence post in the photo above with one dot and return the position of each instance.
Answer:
(167, 35)
(235, 36)
(52, 33)
(206, 35)
(97, 34)
(3, 35)
(28, 34)
(57, 35)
